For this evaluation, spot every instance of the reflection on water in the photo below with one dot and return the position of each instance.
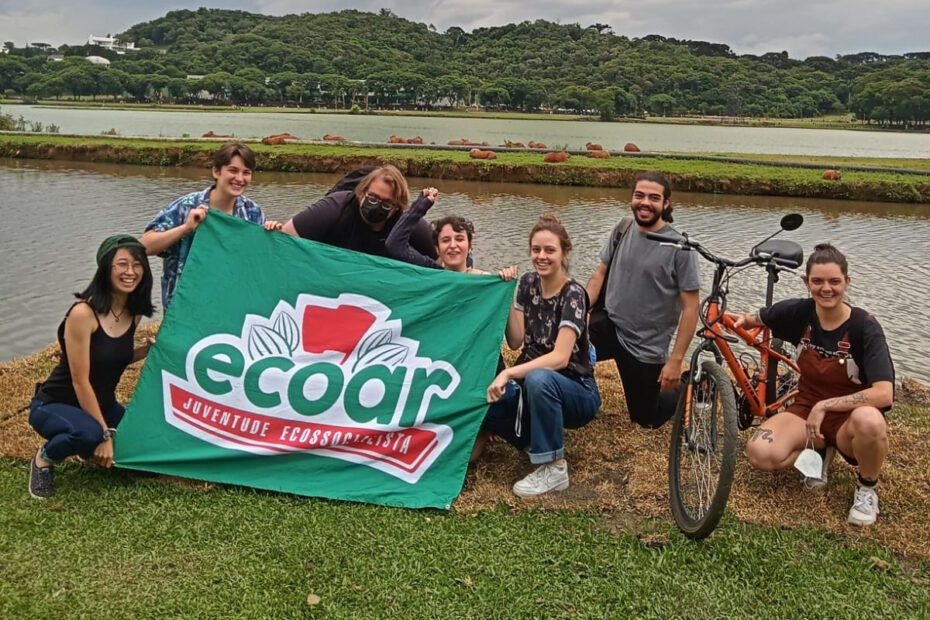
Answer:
(56, 213)
(573, 134)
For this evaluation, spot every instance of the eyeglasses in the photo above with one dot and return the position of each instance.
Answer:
(125, 265)
(372, 202)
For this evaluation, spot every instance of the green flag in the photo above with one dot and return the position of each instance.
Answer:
(290, 365)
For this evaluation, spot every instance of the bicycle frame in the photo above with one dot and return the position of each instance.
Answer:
(761, 397)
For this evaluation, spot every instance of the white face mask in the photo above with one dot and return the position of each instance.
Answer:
(809, 463)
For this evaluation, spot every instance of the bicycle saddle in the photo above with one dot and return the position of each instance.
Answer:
(784, 252)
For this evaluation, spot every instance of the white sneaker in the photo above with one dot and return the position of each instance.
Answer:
(864, 508)
(545, 478)
(818, 483)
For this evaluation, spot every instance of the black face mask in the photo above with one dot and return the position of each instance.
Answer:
(374, 210)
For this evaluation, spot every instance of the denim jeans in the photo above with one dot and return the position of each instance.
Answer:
(552, 403)
(70, 430)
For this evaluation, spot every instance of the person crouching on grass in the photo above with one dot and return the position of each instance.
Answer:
(846, 382)
(76, 410)
(551, 386)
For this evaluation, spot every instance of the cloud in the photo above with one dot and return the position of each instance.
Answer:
(801, 27)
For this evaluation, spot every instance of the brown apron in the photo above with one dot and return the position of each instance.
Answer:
(823, 377)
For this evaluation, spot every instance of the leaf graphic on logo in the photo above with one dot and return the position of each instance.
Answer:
(265, 341)
(374, 340)
(390, 354)
(377, 348)
(287, 328)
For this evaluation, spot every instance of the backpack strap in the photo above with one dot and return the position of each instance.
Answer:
(622, 227)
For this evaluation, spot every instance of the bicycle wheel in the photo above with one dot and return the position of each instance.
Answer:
(703, 453)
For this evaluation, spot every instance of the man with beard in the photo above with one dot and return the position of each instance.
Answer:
(651, 288)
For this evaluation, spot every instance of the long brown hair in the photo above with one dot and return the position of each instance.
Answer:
(400, 192)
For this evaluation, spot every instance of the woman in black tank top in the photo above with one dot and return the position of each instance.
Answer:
(76, 409)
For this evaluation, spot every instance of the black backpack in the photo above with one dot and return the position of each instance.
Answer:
(351, 180)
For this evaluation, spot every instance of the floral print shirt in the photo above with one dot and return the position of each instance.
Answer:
(543, 318)
(175, 215)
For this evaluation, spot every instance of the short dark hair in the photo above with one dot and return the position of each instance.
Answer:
(99, 293)
(658, 177)
(458, 224)
(825, 253)
(229, 150)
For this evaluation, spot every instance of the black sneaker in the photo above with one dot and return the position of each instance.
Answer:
(41, 481)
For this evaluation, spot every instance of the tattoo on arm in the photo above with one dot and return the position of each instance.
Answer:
(762, 433)
(854, 400)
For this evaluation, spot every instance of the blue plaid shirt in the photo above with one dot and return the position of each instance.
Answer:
(175, 215)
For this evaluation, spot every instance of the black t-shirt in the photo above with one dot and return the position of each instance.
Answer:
(335, 220)
(789, 319)
(543, 318)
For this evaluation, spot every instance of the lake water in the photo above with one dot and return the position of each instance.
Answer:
(570, 134)
(56, 213)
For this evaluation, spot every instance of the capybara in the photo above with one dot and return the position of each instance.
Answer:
(479, 154)
(459, 142)
(556, 158)
(332, 138)
(415, 140)
(832, 175)
(537, 145)
(278, 138)
(629, 147)
(593, 147)
(396, 140)
(210, 134)
(599, 154)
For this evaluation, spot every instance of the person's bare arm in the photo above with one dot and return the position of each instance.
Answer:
(596, 282)
(670, 376)
(556, 359)
(515, 328)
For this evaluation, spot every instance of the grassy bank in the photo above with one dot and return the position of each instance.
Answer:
(523, 167)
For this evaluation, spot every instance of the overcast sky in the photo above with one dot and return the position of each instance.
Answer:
(802, 27)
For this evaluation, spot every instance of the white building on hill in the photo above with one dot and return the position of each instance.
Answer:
(111, 43)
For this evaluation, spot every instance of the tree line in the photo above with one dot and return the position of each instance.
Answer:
(351, 58)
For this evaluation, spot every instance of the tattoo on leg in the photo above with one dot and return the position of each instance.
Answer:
(762, 433)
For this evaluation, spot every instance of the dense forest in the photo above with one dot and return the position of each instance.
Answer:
(365, 60)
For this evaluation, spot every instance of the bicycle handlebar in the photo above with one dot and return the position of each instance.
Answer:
(665, 238)
(686, 243)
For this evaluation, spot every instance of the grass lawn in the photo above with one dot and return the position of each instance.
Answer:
(115, 545)
(109, 545)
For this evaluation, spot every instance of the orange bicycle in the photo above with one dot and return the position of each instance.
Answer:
(702, 455)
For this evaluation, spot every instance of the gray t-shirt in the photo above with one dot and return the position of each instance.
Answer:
(643, 292)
